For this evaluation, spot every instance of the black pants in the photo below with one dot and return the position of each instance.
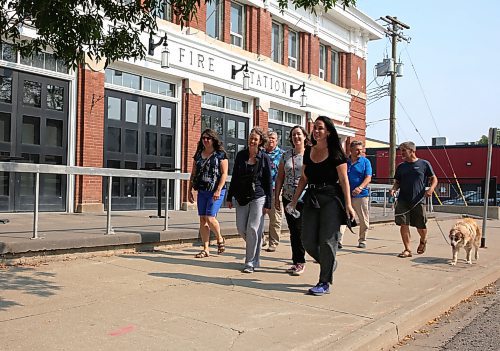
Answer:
(295, 228)
(320, 232)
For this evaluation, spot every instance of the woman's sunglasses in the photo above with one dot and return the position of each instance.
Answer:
(206, 138)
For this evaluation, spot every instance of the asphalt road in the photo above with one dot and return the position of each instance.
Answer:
(474, 325)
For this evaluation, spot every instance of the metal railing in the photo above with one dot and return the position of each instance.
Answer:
(375, 190)
(38, 169)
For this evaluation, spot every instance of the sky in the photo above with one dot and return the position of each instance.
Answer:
(455, 53)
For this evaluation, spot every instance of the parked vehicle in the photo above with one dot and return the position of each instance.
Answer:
(377, 197)
(473, 198)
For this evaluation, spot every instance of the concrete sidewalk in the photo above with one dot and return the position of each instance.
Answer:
(168, 300)
(62, 232)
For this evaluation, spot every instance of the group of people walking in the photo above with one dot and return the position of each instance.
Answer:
(320, 188)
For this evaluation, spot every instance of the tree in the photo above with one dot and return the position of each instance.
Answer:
(484, 139)
(105, 29)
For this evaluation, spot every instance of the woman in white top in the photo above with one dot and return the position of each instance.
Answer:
(289, 172)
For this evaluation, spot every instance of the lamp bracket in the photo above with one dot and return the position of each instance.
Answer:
(234, 70)
(293, 90)
(152, 45)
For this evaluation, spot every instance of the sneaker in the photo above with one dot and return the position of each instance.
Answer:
(264, 243)
(248, 269)
(320, 289)
(271, 248)
(291, 269)
(361, 246)
(339, 246)
(299, 269)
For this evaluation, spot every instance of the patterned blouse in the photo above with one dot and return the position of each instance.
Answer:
(292, 175)
(208, 171)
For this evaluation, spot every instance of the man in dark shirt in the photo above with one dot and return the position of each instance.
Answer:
(411, 178)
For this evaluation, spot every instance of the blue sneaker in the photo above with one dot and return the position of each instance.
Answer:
(320, 289)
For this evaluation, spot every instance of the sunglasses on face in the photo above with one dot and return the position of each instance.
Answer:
(206, 138)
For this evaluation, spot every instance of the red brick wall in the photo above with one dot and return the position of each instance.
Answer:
(89, 135)
(314, 55)
(350, 72)
(328, 68)
(304, 50)
(260, 117)
(200, 20)
(343, 69)
(252, 29)
(285, 45)
(191, 132)
(226, 22)
(358, 117)
(263, 31)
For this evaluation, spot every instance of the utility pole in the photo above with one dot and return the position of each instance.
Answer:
(394, 31)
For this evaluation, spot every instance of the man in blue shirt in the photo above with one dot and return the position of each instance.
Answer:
(275, 217)
(411, 179)
(359, 172)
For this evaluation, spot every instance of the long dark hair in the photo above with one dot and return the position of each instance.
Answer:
(216, 142)
(334, 147)
(304, 131)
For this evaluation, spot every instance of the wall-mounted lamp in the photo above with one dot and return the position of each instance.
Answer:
(246, 75)
(303, 97)
(165, 53)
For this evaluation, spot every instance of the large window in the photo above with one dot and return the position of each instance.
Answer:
(164, 10)
(237, 24)
(288, 117)
(335, 68)
(128, 80)
(322, 61)
(214, 18)
(293, 49)
(224, 102)
(277, 43)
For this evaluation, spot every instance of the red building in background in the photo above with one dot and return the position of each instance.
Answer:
(465, 162)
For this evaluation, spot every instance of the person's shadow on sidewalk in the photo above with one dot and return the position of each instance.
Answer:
(252, 283)
(186, 258)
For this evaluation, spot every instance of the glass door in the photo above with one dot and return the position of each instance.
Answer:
(33, 128)
(232, 129)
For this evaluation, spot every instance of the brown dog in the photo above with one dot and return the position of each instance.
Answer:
(465, 233)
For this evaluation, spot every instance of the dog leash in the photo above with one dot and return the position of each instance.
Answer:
(418, 202)
(441, 230)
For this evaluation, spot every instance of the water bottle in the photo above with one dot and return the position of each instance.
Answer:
(292, 211)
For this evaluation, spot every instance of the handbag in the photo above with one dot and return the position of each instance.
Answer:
(245, 186)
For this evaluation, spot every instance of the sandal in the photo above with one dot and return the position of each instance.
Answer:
(421, 247)
(221, 247)
(202, 254)
(405, 254)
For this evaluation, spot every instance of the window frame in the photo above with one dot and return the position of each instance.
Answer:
(217, 12)
(243, 25)
(322, 61)
(297, 51)
(164, 11)
(334, 67)
(277, 57)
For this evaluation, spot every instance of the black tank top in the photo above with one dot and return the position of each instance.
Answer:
(324, 172)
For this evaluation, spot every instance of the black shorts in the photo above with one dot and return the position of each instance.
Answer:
(414, 215)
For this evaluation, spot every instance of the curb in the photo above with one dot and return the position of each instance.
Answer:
(386, 332)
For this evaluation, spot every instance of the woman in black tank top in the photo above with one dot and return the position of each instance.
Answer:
(327, 203)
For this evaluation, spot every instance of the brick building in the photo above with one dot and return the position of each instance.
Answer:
(138, 115)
